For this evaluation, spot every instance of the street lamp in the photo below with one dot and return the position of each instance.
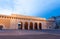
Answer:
(19, 25)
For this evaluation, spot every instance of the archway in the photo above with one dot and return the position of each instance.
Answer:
(31, 25)
(35, 26)
(26, 25)
(40, 26)
(20, 25)
(1, 27)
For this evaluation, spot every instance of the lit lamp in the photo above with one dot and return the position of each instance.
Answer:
(19, 25)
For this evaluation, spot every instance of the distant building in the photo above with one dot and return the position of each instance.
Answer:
(15, 21)
(56, 21)
(50, 24)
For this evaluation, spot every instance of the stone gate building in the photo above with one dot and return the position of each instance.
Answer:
(15, 21)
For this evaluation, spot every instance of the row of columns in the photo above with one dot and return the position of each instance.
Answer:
(22, 24)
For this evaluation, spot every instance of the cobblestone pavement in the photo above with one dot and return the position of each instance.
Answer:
(40, 36)
(29, 34)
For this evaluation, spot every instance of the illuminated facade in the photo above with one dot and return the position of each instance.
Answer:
(22, 22)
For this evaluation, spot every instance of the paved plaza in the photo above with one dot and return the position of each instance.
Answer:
(29, 34)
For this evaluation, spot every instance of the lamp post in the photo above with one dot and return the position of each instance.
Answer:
(19, 25)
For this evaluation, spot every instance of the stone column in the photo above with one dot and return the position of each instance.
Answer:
(28, 25)
(33, 26)
(23, 26)
(38, 26)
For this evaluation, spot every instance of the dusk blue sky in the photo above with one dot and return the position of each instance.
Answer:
(39, 8)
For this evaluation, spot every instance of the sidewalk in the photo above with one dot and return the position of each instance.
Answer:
(29, 32)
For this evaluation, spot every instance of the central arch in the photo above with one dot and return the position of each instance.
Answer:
(35, 26)
(26, 25)
(31, 26)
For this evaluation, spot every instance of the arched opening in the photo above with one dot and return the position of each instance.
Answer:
(26, 25)
(31, 26)
(1, 27)
(20, 25)
(40, 26)
(36, 26)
